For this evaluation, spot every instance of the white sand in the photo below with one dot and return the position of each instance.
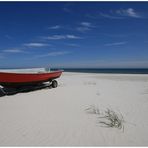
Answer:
(57, 117)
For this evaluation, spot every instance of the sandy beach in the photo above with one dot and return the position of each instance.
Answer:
(70, 115)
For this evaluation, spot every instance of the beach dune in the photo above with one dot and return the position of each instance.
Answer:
(60, 117)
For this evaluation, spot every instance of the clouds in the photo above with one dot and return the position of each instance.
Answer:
(73, 37)
(53, 54)
(40, 44)
(55, 27)
(72, 45)
(61, 37)
(85, 26)
(23, 48)
(67, 34)
(110, 16)
(13, 50)
(130, 12)
(122, 13)
(116, 44)
(33, 45)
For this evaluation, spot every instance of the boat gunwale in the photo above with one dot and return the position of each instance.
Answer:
(31, 73)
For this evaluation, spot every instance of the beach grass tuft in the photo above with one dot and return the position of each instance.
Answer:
(108, 118)
(93, 110)
(112, 119)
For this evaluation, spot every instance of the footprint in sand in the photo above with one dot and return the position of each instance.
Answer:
(62, 85)
(89, 83)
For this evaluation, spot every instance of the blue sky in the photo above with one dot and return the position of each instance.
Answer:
(74, 34)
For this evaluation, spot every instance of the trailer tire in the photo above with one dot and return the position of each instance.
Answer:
(54, 84)
(2, 92)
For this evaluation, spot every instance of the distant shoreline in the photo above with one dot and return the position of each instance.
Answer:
(109, 70)
(99, 70)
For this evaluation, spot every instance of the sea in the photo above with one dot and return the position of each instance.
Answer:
(96, 70)
(108, 70)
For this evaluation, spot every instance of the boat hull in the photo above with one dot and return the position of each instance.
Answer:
(17, 79)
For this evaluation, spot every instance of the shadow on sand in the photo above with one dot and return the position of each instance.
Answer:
(7, 91)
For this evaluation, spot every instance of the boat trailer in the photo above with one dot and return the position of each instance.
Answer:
(6, 91)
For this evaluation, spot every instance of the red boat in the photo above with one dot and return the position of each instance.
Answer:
(16, 78)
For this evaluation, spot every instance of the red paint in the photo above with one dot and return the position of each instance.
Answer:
(28, 77)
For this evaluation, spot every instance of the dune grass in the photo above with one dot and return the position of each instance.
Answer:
(108, 118)
(92, 109)
(112, 119)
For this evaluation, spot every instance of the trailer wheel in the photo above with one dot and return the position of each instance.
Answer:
(54, 84)
(2, 92)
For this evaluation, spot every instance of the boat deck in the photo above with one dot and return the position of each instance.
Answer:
(28, 70)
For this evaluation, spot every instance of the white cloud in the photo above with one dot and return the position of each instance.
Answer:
(55, 37)
(73, 45)
(130, 12)
(110, 16)
(121, 14)
(83, 29)
(35, 45)
(85, 26)
(55, 27)
(116, 44)
(72, 37)
(13, 50)
(56, 53)
(59, 37)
